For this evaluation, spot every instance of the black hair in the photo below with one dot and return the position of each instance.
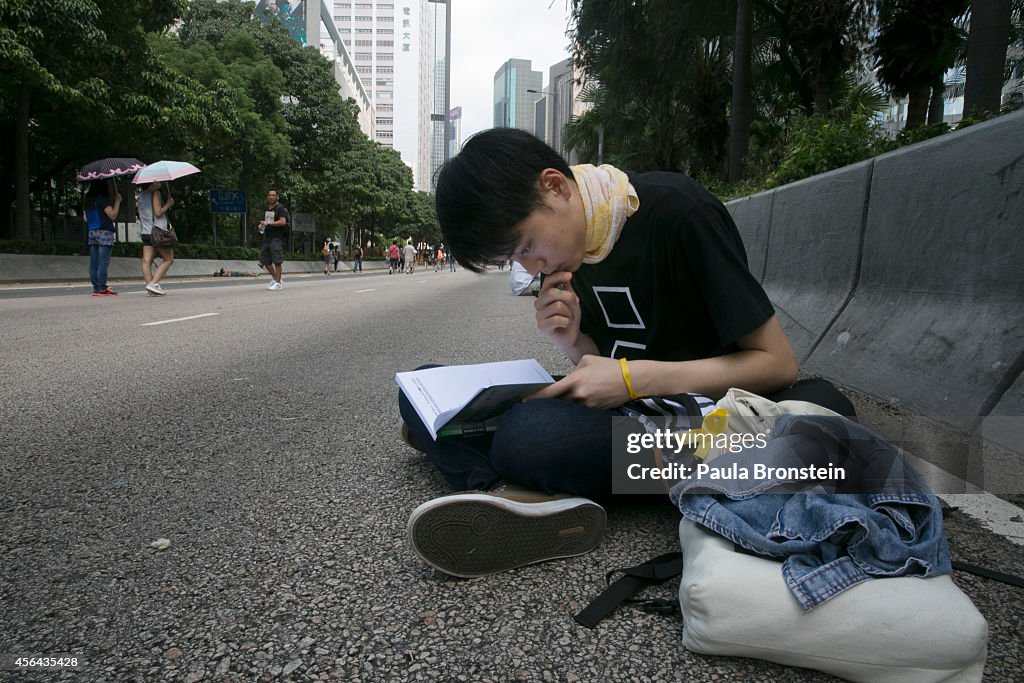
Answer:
(97, 188)
(487, 189)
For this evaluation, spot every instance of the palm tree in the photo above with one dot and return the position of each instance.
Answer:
(986, 55)
(918, 40)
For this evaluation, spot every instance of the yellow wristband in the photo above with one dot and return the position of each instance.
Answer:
(624, 366)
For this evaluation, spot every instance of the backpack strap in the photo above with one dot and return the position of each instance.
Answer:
(633, 580)
(975, 569)
(989, 573)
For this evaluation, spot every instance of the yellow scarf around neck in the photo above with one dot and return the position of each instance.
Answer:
(608, 200)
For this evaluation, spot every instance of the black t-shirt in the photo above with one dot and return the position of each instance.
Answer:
(279, 231)
(676, 285)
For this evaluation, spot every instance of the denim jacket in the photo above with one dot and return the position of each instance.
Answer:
(880, 521)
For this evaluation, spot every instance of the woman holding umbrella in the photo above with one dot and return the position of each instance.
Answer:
(99, 215)
(153, 211)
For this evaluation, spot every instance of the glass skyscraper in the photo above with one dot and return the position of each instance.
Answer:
(514, 106)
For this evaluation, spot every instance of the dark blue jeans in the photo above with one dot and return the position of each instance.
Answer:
(99, 261)
(556, 446)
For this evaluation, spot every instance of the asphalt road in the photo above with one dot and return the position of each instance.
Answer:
(258, 434)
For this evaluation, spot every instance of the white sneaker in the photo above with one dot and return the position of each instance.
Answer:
(272, 285)
(278, 285)
(155, 288)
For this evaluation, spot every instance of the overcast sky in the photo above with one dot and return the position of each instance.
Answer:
(486, 34)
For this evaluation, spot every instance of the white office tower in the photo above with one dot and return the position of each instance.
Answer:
(514, 105)
(401, 51)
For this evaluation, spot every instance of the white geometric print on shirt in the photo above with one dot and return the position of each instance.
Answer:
(625, 344)
(617, 303)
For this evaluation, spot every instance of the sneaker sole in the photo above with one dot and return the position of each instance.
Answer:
(473, 535)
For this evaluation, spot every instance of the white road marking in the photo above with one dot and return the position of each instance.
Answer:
(178, 320)
(995, 514)
(360, 291)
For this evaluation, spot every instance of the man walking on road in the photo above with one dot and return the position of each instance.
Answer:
(410, 257)
(274, 227)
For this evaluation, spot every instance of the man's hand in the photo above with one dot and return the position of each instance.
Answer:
(558, 311)
(596, 382)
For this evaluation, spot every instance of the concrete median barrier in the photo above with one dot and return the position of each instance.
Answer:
(753, 217)
(814, 251)
(936, 322)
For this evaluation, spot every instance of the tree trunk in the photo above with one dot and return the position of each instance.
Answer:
(986, 55)
(937, 105)
(22, 222)
(917, 107)
(742, 104)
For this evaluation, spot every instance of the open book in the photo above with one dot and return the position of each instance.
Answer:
(469, 399)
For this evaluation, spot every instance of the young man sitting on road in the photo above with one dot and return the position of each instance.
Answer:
(646, 289)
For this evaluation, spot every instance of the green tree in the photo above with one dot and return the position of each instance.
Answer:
(815, 43)
(662, 69)
(65, 64)
(295, 131)
(423, 224)
(741, 115)
(917, 42)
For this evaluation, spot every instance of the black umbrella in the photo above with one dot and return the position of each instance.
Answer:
(109, 168)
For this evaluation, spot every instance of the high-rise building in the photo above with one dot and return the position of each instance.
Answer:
(454, 131)
(435, 79)
(401, 52)
(561, 93)
(367, 30)
(514, 105)
(303, 19)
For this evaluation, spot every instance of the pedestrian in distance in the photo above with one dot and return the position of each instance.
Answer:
(274, 228)
(336, 254)
(357, 260)
(439, 258)
(645, 289)
(410, 257)
(153, 212)
(99, 214)
(326, 251)
(393, 256)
